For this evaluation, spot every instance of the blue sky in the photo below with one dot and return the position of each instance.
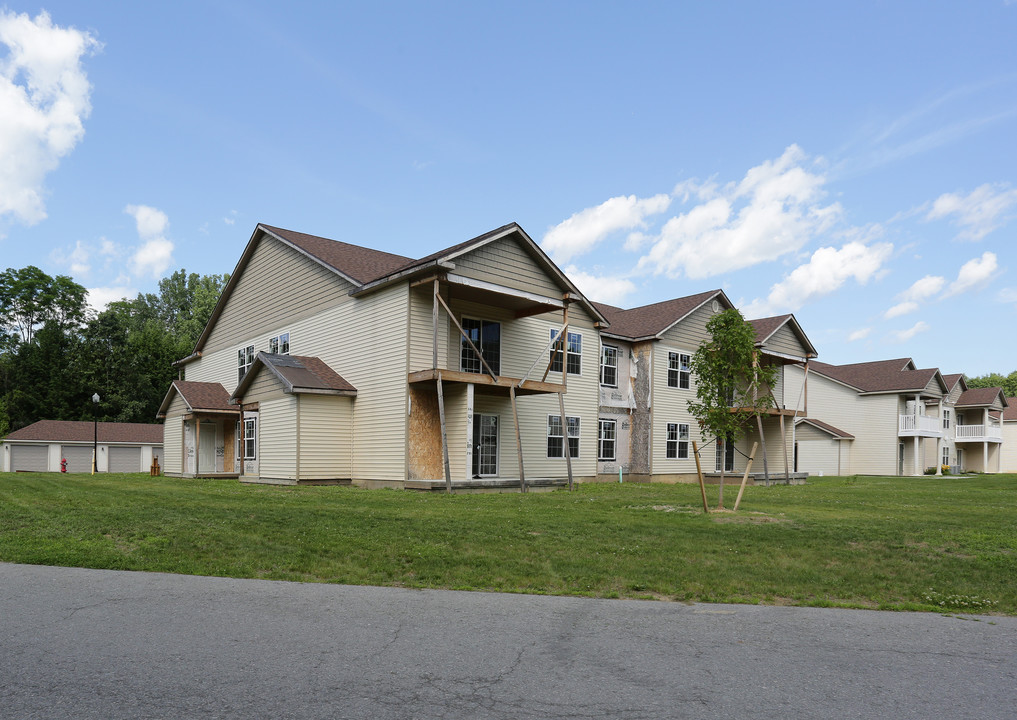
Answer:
(852, 163)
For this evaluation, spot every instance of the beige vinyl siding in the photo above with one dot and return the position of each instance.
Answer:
(775, 446)
(266, 386)
(422, 330)
(669, 404)
(326, 437)
(820, 456)
(506, 262)
(1009, 448)
(173, 441)
(371, 350)
(278, 287)
(522, 343)
(277, 439)
(364, 340)
(785, 341)
(872, 419)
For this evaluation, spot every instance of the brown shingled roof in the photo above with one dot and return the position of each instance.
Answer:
(1010, 412)
(84, 431)
(980, 397)
(651, 320)
(358, 263)
(204, 395)
(828, 428)
(878, 376)
(765, 327)
(297, 373)
(952, 380)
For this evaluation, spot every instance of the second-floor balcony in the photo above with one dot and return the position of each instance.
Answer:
(919, 426)
(979, 433)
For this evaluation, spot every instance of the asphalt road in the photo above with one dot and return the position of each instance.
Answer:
(102, 644)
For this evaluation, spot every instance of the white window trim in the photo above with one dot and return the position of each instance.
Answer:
(577, 436)
(613, 440)
(248, 356)
(617, 353)
(462, 341)
(278, 345)
(565, 355)
(688, 373)
(680, 442)
(251, 422)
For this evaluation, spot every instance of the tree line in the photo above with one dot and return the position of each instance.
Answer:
(56, 352)
(1007, 382)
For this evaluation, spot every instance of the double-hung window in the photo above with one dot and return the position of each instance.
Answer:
(677, 441)
(573, 353)
(556, 438)
(609, 366)
(946, 423)
(250, 438)
(280, 345)
(606, 438)
(679, 372)
(245, 358)
(946, 454)
(486, 335)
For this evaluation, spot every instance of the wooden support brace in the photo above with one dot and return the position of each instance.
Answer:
(783, 442)
(745, 477)
(444, 437)
(699, 472)
(434, 326)
(565, 434)
(519, 443)
(762, 439)
(467, 338)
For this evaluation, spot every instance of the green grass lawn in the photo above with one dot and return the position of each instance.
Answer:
(892, 543)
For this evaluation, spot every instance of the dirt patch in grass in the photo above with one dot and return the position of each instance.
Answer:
(753, 518)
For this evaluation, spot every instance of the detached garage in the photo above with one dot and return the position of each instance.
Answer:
(123, 447)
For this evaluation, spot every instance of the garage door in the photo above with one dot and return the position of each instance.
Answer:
(33, 458)
(78, 457)
(125, 459)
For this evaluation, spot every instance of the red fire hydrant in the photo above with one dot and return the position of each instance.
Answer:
(63, 465)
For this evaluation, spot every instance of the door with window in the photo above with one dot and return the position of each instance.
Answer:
(485, 445)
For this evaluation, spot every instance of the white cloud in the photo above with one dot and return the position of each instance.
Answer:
(974, 274)
(978, 213)
(156, 252)
(920, 291)
(904, 335)
(774, 210)
(826, 271)
(1009, 294)
(44, 93)
(99, 298)
(604, 288)
(231, 219)
(899, 309)
(924, 289)
(151, 222)
(859, 334)
(579, 233)
(77, 260)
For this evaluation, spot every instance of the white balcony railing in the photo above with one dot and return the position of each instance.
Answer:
(979, 432)
(919, 425)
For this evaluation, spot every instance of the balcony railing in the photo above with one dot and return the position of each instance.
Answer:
(979, 433)
(919, 426)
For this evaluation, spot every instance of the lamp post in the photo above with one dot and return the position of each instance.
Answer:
(95, 427)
